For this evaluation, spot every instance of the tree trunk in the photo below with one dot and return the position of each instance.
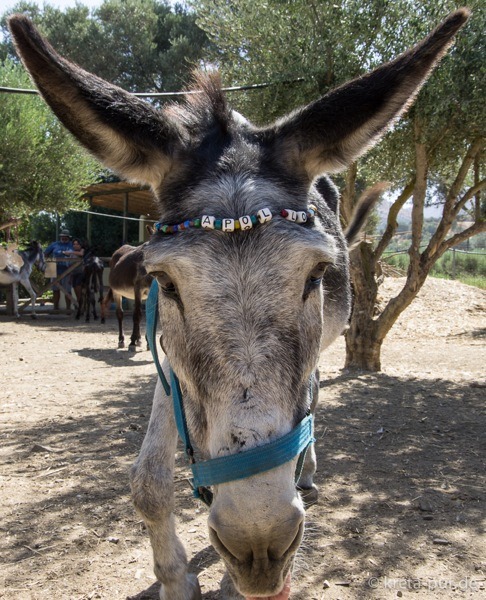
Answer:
(363, 342)
(363, 349)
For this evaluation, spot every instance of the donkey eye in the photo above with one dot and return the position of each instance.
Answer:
(317, 273)
(166, 284)
(315, 279)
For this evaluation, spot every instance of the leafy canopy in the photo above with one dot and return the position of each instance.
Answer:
(141, 45)
(41, 166)
(324, 44)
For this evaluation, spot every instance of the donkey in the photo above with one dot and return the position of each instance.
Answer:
(92, 284)
(14, 273)
(128, 279)
(251, 283)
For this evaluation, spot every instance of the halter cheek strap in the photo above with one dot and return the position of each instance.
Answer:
(234, 466)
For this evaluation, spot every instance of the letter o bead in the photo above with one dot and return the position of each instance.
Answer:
(245, 222)
(301, 216)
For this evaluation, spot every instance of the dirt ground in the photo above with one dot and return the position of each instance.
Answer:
(401, 464)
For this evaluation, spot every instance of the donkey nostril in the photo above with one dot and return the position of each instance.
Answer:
(230, 555)
(277, 552)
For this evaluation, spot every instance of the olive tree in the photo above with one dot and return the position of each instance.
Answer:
(141, 45)
(438, 147)
(41, 167)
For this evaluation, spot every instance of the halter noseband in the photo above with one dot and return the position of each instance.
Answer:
(234, 466)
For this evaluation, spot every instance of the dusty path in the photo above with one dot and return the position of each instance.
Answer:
(401, 454)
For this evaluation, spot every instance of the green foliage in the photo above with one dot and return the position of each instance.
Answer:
(41, 227)
(320, 43)
(468, 267)
(141, 45)
(450, 106)
(41, 167)
(327, 43)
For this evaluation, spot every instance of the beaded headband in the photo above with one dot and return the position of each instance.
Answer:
(242, 223)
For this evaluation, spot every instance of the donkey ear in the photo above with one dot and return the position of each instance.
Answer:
(125, 133)
(329, 134)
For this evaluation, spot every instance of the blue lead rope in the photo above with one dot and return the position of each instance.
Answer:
(152, 316)
(234, 466)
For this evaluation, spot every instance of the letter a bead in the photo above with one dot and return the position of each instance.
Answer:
(207, 222)
(245, 222)
(228, 225)
(264, 215)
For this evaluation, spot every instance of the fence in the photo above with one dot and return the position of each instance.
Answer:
(467, 261)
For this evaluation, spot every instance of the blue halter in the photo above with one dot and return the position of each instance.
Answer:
(234, 466)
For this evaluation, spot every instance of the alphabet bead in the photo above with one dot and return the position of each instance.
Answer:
(245, 222)
(264, 215)
(228, 225)
(207, 222)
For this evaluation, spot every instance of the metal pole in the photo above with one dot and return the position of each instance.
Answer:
(125, 222)
(89, 222)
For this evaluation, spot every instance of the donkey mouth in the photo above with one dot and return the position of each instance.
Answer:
(283, 595)
(260, 579)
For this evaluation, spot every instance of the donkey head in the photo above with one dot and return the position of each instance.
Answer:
(34, 249)
(244, 314)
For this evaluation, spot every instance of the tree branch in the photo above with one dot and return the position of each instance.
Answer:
(455, 189)
(462, 236)
(477, 199)
(471, 192)
(347, 197)
(419, 192)
(451, 209)
(392, 224)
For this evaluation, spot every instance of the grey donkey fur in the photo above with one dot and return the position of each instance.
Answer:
(244, 315)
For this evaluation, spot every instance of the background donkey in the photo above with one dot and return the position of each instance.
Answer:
(253, 282)
(128, 279)
(91, 285)
(13, 274)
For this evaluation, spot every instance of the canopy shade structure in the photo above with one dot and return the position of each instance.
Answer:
(123, 197)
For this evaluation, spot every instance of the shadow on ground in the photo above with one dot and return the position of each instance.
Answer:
(402, 456)
(403, 460)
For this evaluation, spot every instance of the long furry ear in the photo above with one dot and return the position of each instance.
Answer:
(367, 201)
(125, 133)
(329, 134)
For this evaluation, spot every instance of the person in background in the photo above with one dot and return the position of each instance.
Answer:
(57, 250)
(78, 251)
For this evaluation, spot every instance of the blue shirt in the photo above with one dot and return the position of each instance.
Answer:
(57, 250)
